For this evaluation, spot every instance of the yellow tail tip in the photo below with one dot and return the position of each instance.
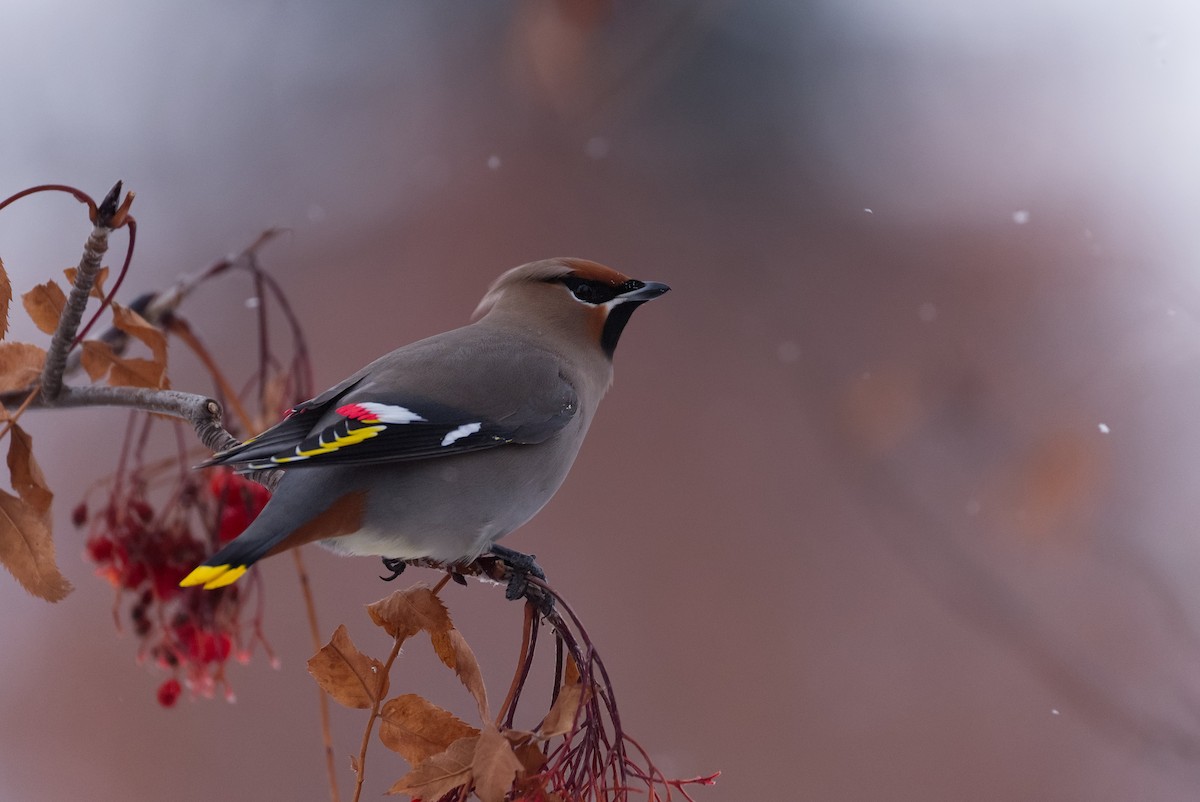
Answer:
(213, 576)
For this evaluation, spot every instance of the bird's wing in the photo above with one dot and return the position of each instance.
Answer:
(296, 425)
(372, 417)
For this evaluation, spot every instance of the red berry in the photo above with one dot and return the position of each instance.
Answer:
(165, 581)
(234, 520)
(134, 576)
(210, 651)
(142, 510)
(218, 482)
(224, 645)
(79, 514)
(99, 549)
(168, 692)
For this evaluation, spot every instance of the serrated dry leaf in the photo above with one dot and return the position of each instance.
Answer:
(417, 729)
(494, 766)
(97, 286)
(45, 303)
(349, 676)
(20, 365)
(26, 545)
(457, 655)
(439, 775)
(417, 609)
(27, 477)
(407, 612)
(5, 298)
(99, 359)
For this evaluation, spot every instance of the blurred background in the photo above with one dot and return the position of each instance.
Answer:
(897, 488)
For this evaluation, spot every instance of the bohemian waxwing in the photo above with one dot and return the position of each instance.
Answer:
(444, 446)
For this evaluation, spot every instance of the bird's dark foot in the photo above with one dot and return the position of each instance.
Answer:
(520, 568)
(395, 565)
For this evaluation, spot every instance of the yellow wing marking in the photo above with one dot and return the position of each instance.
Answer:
(213, 576)
(352, 437)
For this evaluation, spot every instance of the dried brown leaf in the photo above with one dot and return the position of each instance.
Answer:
(457, 655)
(27, 550)
(495, 766)
(5, 298)
(527, 750)
(407, 612)
(532, 758)
(571, 675)
(20, 365)
(45, 303)
(137, 372)
(417, 609)
(97, 286)
(417, 729)
(349, 676)
(137, 326)
(27, 477)
(439, 775)
(99, 359)
(26, 545)
(561, 718)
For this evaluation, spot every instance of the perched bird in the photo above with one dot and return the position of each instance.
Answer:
(442, 447)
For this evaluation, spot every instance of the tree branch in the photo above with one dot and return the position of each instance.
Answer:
(202, 412)
(85, 277)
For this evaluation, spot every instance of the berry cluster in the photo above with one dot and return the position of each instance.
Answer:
(144, 552)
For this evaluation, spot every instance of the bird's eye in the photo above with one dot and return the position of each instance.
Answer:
(592, 293)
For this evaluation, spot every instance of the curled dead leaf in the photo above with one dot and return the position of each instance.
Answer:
(417, 609)
(26, 544)
(561, 718)
(135, 325)
(97, 286)
(99, 359)
(439, 775)
(45, 303)
(27, 477)
(349, 676)
(407, 612)
(494, 766)
(417, 729)
(20, 365)
(5, 298)
(526, 747)
(459, 657)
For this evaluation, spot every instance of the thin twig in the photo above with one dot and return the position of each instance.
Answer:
(12, 417)
(522, 661)
(366, 739)
(315, 630)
